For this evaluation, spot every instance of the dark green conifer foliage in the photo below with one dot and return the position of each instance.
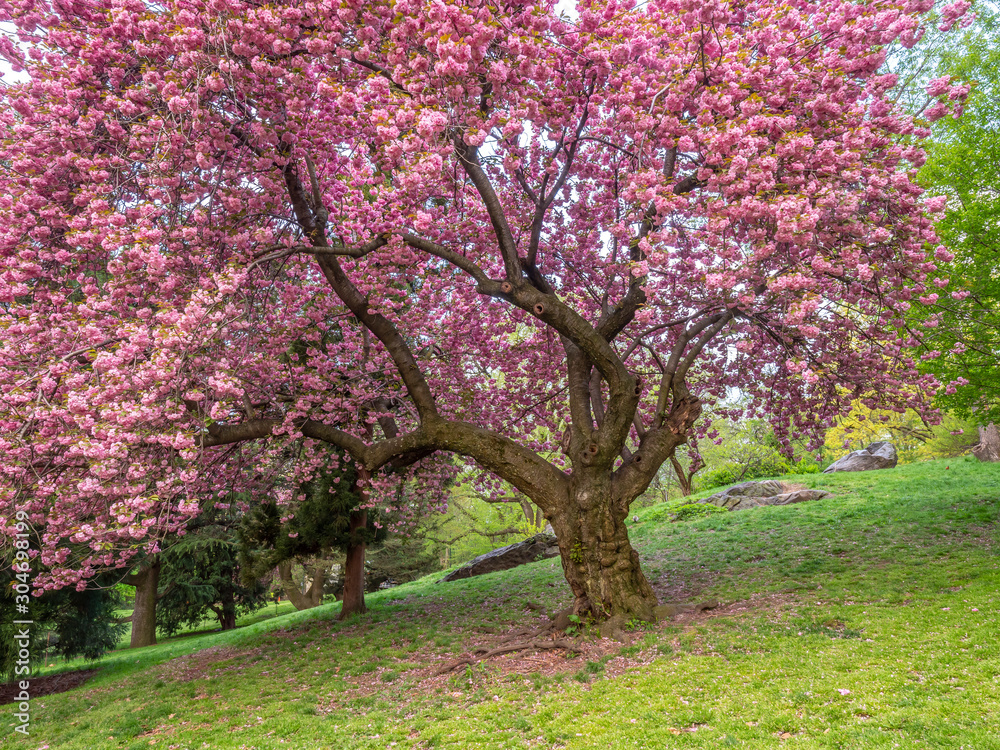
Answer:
(201, 576)
(320, 525)
(66, 622)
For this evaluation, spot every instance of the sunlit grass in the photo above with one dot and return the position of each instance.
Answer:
(872, 625)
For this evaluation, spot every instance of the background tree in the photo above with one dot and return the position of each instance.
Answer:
(958, 335)
(590, 226)
(66, 622)
(685, 474)
(328, 516)
(201, 574)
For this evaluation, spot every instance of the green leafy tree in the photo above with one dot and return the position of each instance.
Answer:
(959, 337)
(202, 577)
(748, 450)
(324, 519)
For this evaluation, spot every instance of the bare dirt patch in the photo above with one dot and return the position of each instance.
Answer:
(756, 603)
(688, 589)
(194, 666)
(48, 685)
(617, 657)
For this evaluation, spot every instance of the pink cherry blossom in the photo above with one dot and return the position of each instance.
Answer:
(450, 239)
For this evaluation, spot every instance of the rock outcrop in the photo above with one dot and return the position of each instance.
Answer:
(880, 455)
(534, 548)
(757, 494)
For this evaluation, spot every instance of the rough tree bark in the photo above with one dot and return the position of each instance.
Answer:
(225, 610)
(598, 561)
(988, 448)
(146, 582)
(313, 596)
(354, 567)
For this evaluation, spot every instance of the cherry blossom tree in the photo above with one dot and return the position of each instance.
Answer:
(419, 230)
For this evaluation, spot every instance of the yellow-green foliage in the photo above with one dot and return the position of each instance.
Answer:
(914, 440)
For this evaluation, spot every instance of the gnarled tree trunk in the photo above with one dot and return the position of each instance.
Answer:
(598, 560)
(614, 450)
(988, 448)
(313, 596)
(146, 582)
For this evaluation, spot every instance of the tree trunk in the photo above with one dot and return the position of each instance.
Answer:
(354, 567)
(312, 597)
(988, 448)
(226, 612)
(598, 561)
(146, 582)
(683, 480)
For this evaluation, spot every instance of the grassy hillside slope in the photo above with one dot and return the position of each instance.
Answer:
(865, 620)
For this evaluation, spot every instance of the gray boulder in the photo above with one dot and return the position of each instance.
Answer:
(785, 498)
(880, 455)
(766, 488)
(534, 548)
(757, 494)
(735, 495)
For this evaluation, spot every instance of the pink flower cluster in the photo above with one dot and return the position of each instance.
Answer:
(169, 169)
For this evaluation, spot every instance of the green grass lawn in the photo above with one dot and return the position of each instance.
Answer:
(864, 620)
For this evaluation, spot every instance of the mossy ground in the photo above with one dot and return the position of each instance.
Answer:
(864, 620)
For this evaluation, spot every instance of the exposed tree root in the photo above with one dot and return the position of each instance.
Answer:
(483, 654)
(538, 608)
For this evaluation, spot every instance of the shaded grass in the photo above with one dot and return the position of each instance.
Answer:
(875, 627)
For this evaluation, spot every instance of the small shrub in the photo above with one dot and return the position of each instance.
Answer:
(662, 512)
(805, 466)
(575, 626)
(694, 511)
(766, 466)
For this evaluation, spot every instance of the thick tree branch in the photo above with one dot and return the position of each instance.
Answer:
(460, 261)
(468, 157)
(669, 378)
(349, 294)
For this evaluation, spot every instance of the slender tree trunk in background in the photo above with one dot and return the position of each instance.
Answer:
(683, 480)
(315, 592)
(532, 514)
(989, 444)
(528, 511)
(226, 611)
(146, 582)
(354, 567)
(312, 597)
(292, 592)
